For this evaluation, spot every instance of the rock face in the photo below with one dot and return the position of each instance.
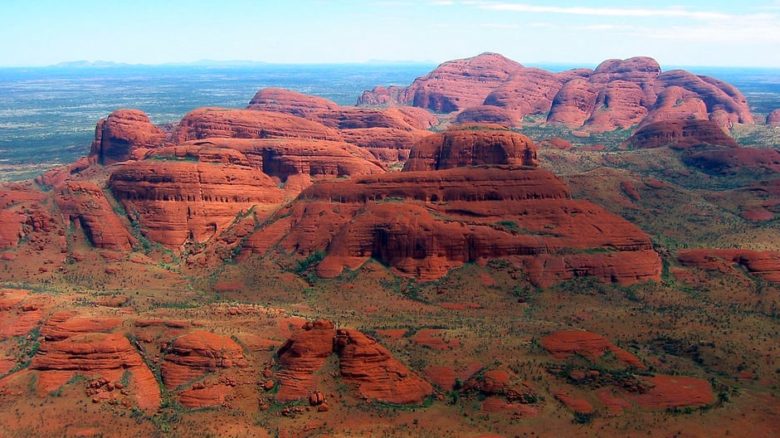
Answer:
(363, 363)
(192, 192)
(377, 375)
(472, 146)
(773, 118)
(281, 100)
(301, 356)
(281, 158)
(179, 201)
(19, 313)
(108, 355)
(565, 343)
(233, 123)
(194, 354)
(518, 213)
(485, 114)
(85, 204)
(667, 392)
(66, 324)
(764, 264)
(388, 133)
(617, 94)
(123, 132)
(680, 134)
(452, 86)
(528, 91)
(22, 216)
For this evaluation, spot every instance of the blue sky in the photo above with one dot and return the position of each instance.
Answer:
(710, 33)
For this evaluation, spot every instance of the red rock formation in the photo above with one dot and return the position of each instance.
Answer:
(234, 123)
(386, 144)
(458, 184)
(442, 376)
(20, 214)
(717, 95)
(57, 176)
(576, 404)
(667, 392)
(19, 313)
(383, 131)
(123, 132)
(303, 354)
(472, 145)
(680, 134)
(617, 94)
(574, 103)
(85, 204)
(765, 264)
(177, 201)
(676, 103)
(104, 354)
(565, 343)
(377, 375)
(284, 157)
(524, 215)
(204, 397)
(752, 161)
(196, 353)
(528, 91)
(281, 100)
(773, 118)
(556, 143)
(486, 114)
(363, 363)
(452, 86)
(66, 324)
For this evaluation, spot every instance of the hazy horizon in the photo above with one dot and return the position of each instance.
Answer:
(229, 63)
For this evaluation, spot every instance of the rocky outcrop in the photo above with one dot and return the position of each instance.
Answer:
(750, 161)
(301, 356)
(22, 215)
(452, 86)
(234, 123)
(19, 313)
(773, 118)
(485, 114)
(676, 103)
(109, 355)
(281, 157)
(388, 133)
(424, 223)
(764, 264)
(472, 145)
(370, 367)
(668, 392)
(196, 353)
(66, 324)
(122, 133)
(363, 363)
(529, 91)
(680, 134)
(84, 204)
(179, 201)
(281, 100)
(565, 343)
(618, 94)
(725, 103)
